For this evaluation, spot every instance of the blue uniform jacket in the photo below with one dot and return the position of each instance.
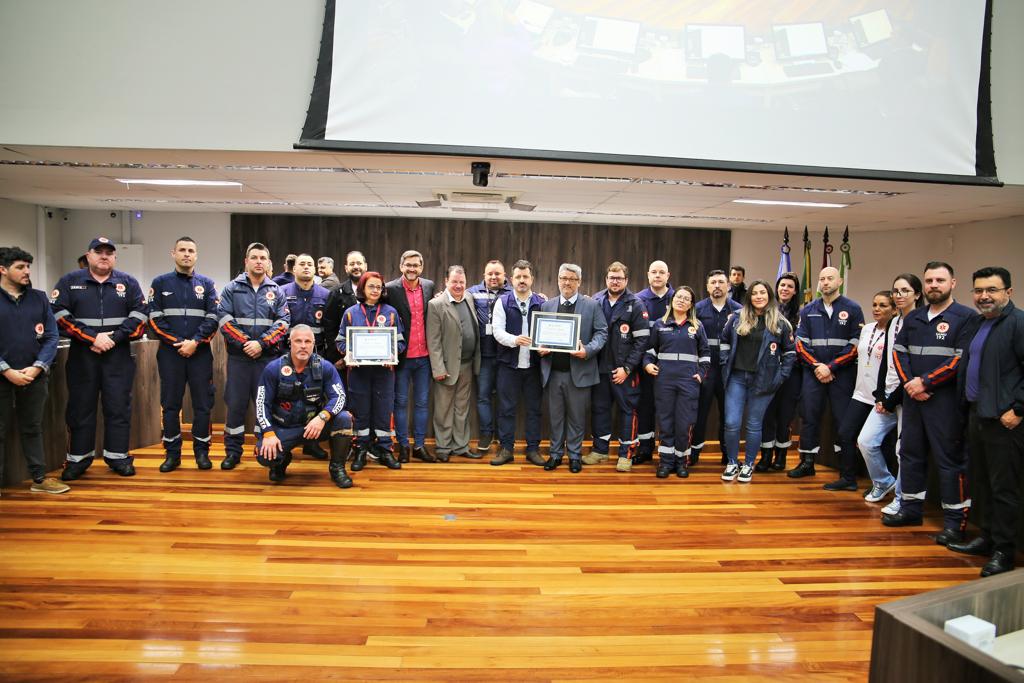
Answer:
(654, 305)
(832, 341)
(678, 351)
(361, 315)
(183, 307)
(247, 314)
(714, 322)
(280, 381)
(30, 331)
(931, 349)
(775, 359)
(483, 301)
(84, 307)
(306, 307)
(629, 331)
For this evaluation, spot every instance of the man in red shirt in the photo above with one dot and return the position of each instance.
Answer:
(409, 295)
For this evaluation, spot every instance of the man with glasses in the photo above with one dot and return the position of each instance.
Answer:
(567, 374)
(618, 369)
(990, 378)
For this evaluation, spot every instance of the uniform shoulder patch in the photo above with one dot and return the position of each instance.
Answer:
(39, 328)
(286, 370)
(843, 315)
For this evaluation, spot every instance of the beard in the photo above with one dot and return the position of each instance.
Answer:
(938, 297)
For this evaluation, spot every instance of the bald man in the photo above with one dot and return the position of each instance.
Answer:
(826, 342)
(655, 299)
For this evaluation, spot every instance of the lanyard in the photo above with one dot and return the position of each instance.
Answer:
(367, 315)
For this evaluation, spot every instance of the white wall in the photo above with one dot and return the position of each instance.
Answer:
(879, 256)
(19, 226)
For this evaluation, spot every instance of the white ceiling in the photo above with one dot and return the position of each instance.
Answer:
(334, 184)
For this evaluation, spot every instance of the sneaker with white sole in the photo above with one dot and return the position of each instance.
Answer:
(878, 493)
(746, 474)
(624, 465)
(892, 508)
(49, 485)
(731, 470)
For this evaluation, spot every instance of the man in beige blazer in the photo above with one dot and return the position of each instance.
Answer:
(453, 340)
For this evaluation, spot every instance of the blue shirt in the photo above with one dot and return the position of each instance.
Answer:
(974, 363)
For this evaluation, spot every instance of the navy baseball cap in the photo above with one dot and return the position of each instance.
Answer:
(98, 242)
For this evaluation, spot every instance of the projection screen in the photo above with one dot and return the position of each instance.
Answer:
(895, 89)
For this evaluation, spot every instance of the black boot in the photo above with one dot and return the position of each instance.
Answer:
(203, 460)
(666, 466)
(804, 469)
(765, 463)
(387, 458)
(313, 448)
(171, 462)
(779, 463)
(123, 466)
(340, 445)
(358, 457)
(681, 471)
(74, 470)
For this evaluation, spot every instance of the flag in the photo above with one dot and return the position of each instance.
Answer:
(806, 290)
(845, 264)
(785, 264)
(826, 253)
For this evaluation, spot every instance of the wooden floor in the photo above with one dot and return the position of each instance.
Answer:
(455, 571)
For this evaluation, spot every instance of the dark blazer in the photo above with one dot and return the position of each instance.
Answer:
(593, 335)
(396, 298)
(1001, 373)
(338, 301)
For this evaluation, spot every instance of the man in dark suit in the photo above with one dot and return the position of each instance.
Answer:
(453, 337)
(569, 376)
(341, 299)
(409, 295)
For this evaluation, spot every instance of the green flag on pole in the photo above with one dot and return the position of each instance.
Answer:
(845, 264)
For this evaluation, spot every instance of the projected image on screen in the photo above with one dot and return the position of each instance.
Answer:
(835, 84)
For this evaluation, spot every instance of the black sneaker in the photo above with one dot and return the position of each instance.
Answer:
(841, 485)
(74, 470)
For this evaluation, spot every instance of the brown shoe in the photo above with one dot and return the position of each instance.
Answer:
(534, 458)
(503, 457)
(49, 485)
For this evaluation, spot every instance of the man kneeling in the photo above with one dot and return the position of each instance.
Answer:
(299, 395)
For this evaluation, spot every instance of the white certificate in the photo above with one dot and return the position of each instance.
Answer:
(371, 345)
(555, 331)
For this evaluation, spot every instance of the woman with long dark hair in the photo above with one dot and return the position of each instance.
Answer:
(371, 388)
(758, 353)
(775, 428)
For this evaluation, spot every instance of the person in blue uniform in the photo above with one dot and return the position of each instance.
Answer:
(775, 427)
(300, 399)
(100, 310)
(826, 343)
(306, 301)
(758, 353)
(926, 354)
(656, 299)
(485, 295)
(183, 316)
(712, 312)
(28, 348)
(371, 388)
(677, 357)
(254, 319)
(519, 378)
(618, 369)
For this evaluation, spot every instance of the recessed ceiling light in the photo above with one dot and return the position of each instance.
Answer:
(769, 202)
(179, 183)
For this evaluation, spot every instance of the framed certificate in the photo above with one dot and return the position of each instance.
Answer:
(371, 345)
(555, 331)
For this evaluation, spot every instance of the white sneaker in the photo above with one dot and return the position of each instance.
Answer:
(731, 470)
(877, 493)
(746, 474)
(892, 508)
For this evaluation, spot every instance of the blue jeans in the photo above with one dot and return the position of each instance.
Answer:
(416, 370)
(737, 396)
(486, 383)
(874, 431)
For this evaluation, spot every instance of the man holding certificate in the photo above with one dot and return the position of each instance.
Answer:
(568, 340)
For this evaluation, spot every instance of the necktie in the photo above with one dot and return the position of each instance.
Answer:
(522, 308)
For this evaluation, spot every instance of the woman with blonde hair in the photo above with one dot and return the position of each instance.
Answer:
(758, 353)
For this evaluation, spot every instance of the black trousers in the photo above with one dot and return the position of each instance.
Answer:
(997, 454)
(27, 402)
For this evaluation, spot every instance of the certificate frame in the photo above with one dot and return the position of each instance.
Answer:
(556, 324)
(355, 356)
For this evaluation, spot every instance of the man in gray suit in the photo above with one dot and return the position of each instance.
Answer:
(569, 376)
(453, 340)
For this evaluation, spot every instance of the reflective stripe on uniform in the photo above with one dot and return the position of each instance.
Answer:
(678, 356)
(932, 351)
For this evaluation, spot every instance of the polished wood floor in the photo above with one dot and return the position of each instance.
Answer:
(450, 572)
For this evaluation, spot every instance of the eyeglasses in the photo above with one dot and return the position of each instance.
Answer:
(615, 278)
(375, 288)
(902, 292)
(988, 290)
(572, 278)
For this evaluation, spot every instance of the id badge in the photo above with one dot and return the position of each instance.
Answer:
(488, 329)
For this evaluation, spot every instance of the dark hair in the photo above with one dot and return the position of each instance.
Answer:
(712, 273)
(935, 265)
(257, 245)
(990, 271)
(791, 309)
(915, 284)
(185, 238)
(360, 286)
(887, 294)
(743, 271)
(523, 264)
(83, 262)
(8, 255)
(289, 261)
